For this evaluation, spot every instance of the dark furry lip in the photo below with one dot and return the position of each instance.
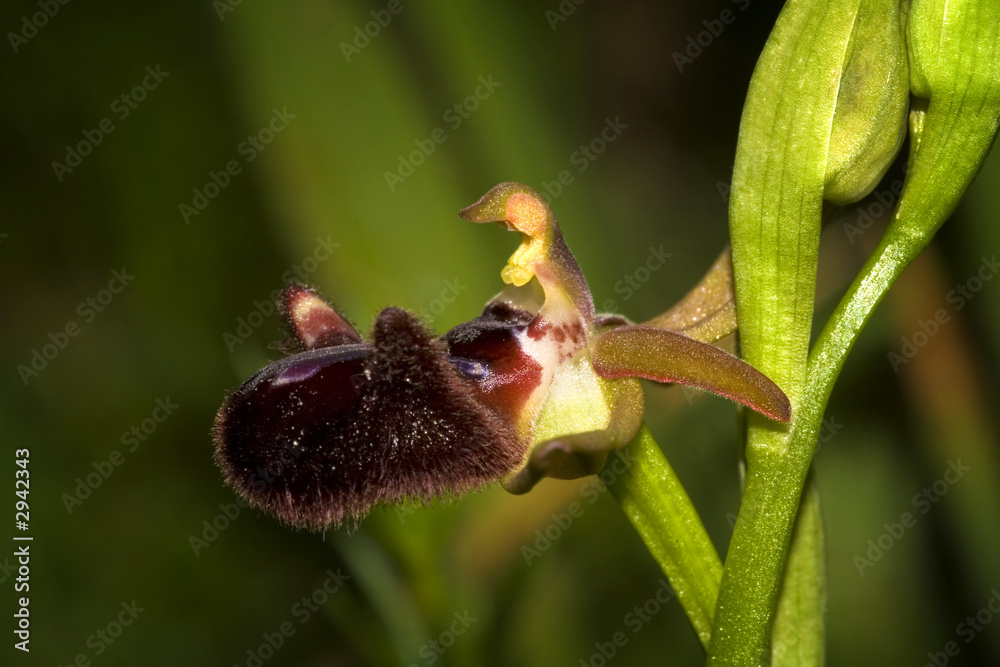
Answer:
(324, 435)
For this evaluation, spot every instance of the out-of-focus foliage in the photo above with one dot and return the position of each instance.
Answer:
(185, 327)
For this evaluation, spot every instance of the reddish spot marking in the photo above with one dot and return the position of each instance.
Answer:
(510, 386)
(538, 328)
(576, 332)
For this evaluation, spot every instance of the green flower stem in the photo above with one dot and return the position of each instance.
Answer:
(774, 481)
(654, 500)
(958, 66)
(776, 211)
(798, 635)
(797, 639)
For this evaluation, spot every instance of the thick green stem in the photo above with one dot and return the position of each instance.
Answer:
(777, 475)
(775, 215)
(655, 502)
(797, 639)
(959, 66)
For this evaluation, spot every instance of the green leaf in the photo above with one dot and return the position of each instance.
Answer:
(775, 217)
(955, 59)
(798, 633)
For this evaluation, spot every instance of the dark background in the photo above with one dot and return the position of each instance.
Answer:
(168, 334)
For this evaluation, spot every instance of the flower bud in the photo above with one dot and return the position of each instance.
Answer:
(869, 123)
(953, 46)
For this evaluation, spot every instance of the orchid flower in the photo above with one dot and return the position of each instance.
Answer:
(539, 385)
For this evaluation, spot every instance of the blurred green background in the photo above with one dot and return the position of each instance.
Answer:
(194, 322)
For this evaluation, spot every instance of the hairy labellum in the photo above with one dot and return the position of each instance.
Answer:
(326, 434)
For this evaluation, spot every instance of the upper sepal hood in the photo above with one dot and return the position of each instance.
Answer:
(543, 253)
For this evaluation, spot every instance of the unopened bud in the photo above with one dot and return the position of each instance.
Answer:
(870, 119)
(952, 46)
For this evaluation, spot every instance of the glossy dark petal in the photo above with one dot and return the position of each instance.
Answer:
(327, 434)
(491, 341)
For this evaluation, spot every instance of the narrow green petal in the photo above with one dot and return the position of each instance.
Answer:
(666, 356)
